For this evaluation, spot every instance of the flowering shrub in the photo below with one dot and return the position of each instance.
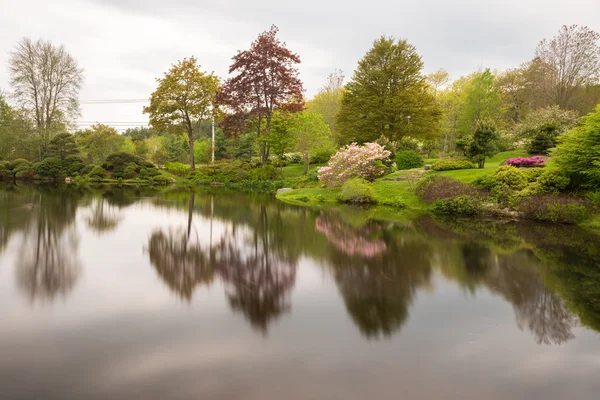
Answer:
(531, 162)
(354, 161)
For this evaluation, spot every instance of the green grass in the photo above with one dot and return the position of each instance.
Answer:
(295, 170)
(491, 164)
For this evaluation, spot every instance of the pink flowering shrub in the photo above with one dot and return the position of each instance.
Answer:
(531, 162)
(354, 161)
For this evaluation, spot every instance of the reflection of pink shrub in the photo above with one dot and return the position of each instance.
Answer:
(531, 162)
(354, 161)
(350, 241)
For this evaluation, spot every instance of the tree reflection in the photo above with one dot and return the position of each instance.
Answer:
(379, 281)
(257, 278)
(104, 217)
(48, 263)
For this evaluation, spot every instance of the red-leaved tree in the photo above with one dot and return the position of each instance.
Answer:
(265, 80)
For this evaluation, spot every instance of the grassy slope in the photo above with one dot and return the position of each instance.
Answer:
(388, 190)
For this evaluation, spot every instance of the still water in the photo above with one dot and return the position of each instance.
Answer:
(119, 293)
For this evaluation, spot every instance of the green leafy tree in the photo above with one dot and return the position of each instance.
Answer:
(482, 102)
(98, 141)
(62, 145)
(542, 127)
(184, 97)
(173, 146)
(127, 145)
(484, 143)
(578, 152)
(329, 99)
(388, 96)
(310, 134)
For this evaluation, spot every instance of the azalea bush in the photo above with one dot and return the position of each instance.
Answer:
(522, 162)
(354, 161)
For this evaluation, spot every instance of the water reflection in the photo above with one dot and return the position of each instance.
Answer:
(254, 245)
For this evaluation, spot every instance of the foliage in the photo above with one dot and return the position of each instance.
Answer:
(127, 145)
(266, 80)
(130, 171)
(149, 173)
(484, 143)
(183, 98)
(388, 96)
(481, 103)
(578, 152)
(408, 159)
(322, 156)
(328, 100)
(221, 171)
(18, 162)
(354, 161)
(531, 174)
(61, 146)
(357, 191)
(72, 165)
(117, 162)
(97, 173)
(177, 168)
(511, 177)
(540, 128)
(310, 135)
(552, 181)
(264, 173)
(531, 162)
(50, 167)
(488, 182)
(447, 164)
(437, 187)
(98, 141)
(458, 206)
(554, 208)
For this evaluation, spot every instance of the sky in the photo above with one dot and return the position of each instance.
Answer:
(124, 45)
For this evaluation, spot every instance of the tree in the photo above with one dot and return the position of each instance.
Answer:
(388, 96)
(62, 145)
(541, 128)
(578, 152)
(266, 80)
(310, 134)
(438, 80)
(482, 102)
(329, 99)
(184, 97)
(46, 81)
(484, 143)
(573, 61)
(98, 141)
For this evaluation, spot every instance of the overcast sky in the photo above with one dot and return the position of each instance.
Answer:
(123, 45)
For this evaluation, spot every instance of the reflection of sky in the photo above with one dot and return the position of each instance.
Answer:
(122, 334)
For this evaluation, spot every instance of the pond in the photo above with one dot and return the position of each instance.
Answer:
(117, 293)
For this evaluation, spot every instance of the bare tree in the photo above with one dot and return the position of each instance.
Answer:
(46, 81)
(573, 58)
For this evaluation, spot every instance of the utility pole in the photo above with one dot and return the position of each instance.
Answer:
(213, 137)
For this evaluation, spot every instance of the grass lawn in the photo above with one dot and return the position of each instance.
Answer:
(294, 170)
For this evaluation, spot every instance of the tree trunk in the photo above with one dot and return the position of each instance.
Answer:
(192, 163)
(306, 163)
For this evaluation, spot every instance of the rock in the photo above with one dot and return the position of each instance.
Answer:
(283, 190)
(67, 180)
(427, 167)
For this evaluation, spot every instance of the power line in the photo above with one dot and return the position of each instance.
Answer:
(113, 101)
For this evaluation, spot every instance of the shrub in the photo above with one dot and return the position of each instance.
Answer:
(488, 182)
(435, 188)
(577, 152)
(177, 168)
(531, 162)
(130, 171)
(50, 167)
(6, 175)
(221, 171)
(354, 161)
(161, 179)
(504, 195)
(458, 206)
(24, 172)
(264, 173)
(294, 158)
(594, 198)
(118, 161)
(18, 162)
(554, 208)
(540, 143)
(531, 174)
(97, 173)
(357, 191)
(87, 169)
(408, 159)
(395, 202)
(511, 177)
(148, 173)
(321, 156)
(451, 165)
(72, 165)
(552, 182)
(4, 165)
